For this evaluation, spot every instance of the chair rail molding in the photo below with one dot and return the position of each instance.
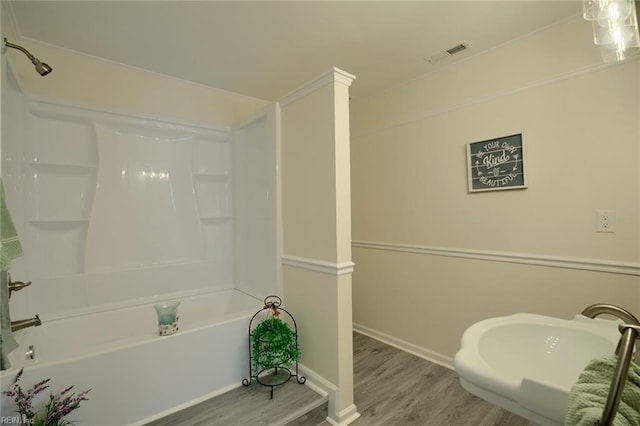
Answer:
(594, 265)
(326, 267)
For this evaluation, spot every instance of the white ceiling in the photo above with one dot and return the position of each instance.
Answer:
(265, 49)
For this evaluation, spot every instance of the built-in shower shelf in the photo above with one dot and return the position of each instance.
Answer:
(212, 176)
(214, 219)
(61, 220)
(60, 166)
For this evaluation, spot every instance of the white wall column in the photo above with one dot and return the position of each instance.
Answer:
(316, 213)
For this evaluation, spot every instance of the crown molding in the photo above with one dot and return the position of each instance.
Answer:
(334, 75)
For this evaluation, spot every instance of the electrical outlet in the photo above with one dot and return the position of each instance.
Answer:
(605, 221)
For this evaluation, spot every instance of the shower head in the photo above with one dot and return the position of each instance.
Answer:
(42, 68)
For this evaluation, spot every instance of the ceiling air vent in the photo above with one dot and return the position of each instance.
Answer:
(448, 52)
(458, 48)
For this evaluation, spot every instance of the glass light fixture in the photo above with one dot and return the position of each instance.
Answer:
(590, 9)
(615, 27)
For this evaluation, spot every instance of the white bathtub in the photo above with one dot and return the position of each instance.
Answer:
(135, 375)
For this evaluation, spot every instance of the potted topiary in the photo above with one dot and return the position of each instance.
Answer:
(273, 346)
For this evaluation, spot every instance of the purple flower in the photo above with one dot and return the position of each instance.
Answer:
(53, 412)
(15, 380)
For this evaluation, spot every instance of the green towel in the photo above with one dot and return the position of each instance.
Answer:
(10, 246)
(7, 341)
(589, 394)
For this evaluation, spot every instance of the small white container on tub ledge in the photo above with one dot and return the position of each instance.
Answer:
(167, 317)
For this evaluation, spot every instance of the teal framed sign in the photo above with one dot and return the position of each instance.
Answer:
(496, 164)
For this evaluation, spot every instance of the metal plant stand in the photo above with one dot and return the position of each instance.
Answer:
(270, 368)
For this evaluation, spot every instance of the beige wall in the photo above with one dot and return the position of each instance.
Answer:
(92, 81)
(449, 258)
(308, 153)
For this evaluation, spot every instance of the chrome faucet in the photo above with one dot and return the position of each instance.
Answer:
(26, 323)
(626, 316)
(16, 285)
(602, 308)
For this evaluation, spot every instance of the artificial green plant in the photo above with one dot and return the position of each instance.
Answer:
(273, 344)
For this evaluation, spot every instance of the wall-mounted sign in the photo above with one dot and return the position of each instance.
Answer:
(496, 164)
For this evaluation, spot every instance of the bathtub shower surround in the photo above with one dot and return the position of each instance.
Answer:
(123, 209)
(118, 213)
(119, 207)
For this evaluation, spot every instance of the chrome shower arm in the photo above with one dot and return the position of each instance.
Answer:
(42, 68)
(22, 49)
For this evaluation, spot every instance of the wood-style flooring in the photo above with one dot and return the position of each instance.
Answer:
(395, 388)
(249, 406)
(392, 388)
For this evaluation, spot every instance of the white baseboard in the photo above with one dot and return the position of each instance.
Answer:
(416, 350)
(289, 417)
(345, 417)
(186, 405)
(324, 387)
(316, 382)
